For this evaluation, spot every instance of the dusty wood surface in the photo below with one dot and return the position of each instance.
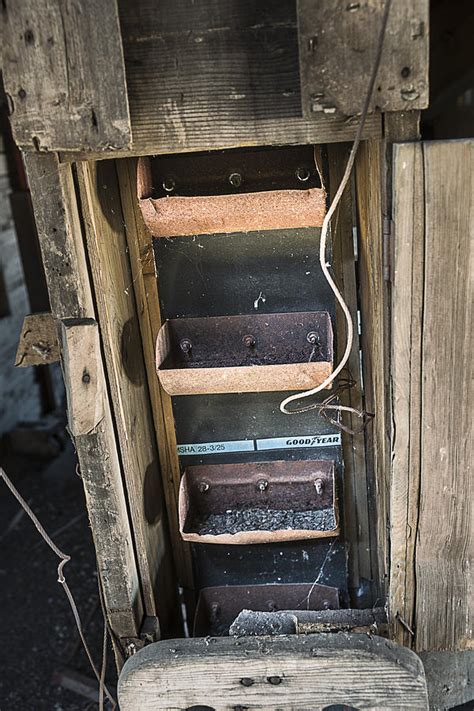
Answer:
(290, 672)
(107, 248)
(449, 677)
(83, 374)
(70, 294)
(338, 44)
(218, 74)
(56, 60)
(144, 285)
(374, 321)
(407, 294)
(356, 521)
(443, 558)
(38, 343)
(432, 379)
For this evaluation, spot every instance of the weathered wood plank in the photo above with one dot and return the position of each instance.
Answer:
(290, 672)
(112, 276)
(374, 322)
(406, 334)
(443, 557)
(355, 469)
(56, 60)
(38, 343)
(148, 307)
(83, 374)
(69, 288)
(338, 42)
(218, 75)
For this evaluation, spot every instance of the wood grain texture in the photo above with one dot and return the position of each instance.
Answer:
(356, 485)
(38, 343)
(218, 75)
(374, 322)
(406, 339)
(444, 592)
(83, 374)
(338, 42)
(284, 672)
(112, 276)
(64, 74)
(60, 236)
(144, 285)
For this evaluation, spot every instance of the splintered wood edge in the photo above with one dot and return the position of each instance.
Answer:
(313, 671)
(38, 343)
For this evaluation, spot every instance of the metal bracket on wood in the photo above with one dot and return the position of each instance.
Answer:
(388, 232)
(149, 632)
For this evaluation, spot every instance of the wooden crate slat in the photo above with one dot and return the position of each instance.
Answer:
(64, 74)
(60, 235)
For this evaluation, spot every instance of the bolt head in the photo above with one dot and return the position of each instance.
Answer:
(319, 486)
(235, 179)
(204, 486)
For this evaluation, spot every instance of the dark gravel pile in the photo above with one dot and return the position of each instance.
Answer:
(37, 627)
(263, 519)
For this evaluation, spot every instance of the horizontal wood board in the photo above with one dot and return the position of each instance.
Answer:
(64, 75)
(338, 43)
(290, 672)
(219, 74)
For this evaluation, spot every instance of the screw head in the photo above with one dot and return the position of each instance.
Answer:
(319, 486)
(235, 179)
(169, 184)
(249, 341)
(262, 485)
(312, 337)
(302, 174)
(204, 486)
(185, 345)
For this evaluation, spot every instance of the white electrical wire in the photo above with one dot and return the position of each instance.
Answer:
(325, 230)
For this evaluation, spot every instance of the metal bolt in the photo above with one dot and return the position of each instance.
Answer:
(302, 173)
(249, 341)
(86, 378)
(275, 680)
(312, 337)
(247, 681)
(235, 179)
(169, 184)
(185, 345)
(319, 486)
(262, 485)
(312, 43)
(204, 486)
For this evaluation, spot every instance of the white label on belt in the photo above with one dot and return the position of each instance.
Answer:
(243, 445)
(249, 445)
(328, 440)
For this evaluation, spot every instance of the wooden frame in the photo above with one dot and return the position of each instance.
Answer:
(101, 278)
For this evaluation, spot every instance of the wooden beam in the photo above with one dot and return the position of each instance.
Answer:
(374, 324)
(57, 63)
(145, 286)
(116, 308)
(444, 550)
(355, 468)
(60, 236)
(338, 44)
(407, 295)
(293, 672)
(432, 529)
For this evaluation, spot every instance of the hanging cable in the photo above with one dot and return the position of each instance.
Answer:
(325, 229)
